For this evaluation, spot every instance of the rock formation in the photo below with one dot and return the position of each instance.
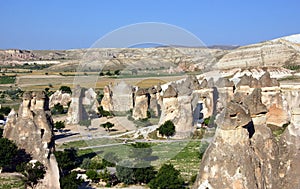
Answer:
(244, 152)
(59, 97)
(140, 104)
(83, 103)
(106, 101)
(32, 130)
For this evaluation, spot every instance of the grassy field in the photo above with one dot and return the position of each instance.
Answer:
(184, 155)
(11, 181)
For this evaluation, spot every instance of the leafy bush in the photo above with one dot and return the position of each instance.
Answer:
(93, 175)
(58, 109)
(33, 172)
(70, 181)
(103, 112)
(67, 159)
(107, 126)
(167, 177)
(59, 125)
(167, 129)
(65, 89)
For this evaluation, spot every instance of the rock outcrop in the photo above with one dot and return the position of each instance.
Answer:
(140, 104)
(59, 98)
(245, 153)
(32, 130)
(83, 104)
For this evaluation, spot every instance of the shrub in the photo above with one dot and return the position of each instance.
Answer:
(103, 112)
(167, 177)
(59, 125)
(167, 129)
(65, 89)
(93, 175)
(107, 126)
(33, 172)
(5, 110)
(58, 109)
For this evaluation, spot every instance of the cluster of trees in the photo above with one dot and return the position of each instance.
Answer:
(108, 73)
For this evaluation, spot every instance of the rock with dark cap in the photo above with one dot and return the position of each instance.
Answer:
(224, 82)
(27, 95)
(232, 116)
(254, 103)
(141, 92)
(267, 81)
(170, 92)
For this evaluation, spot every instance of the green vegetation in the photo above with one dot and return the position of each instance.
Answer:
(65, 89)
(93, 175)
(7, 79)
(5, 110)
(292, 67)
(70, 181)
(33, 172)
(103, 112)
(107, 126)
(28, 66)
(11, 182)
(167, 129)
(8, 151)
(58, 109)
(59, 125)
(167, 177)
(139, 170)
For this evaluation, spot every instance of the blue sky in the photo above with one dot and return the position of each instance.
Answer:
(65, 24)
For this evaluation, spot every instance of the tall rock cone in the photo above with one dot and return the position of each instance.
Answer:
(32, 130)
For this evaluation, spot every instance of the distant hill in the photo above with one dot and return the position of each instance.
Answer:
(284, 51)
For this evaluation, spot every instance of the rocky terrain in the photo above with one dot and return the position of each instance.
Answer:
(32, 130)
(278, 52)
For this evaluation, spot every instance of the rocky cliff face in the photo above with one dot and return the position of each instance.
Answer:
(244, 152)
(32, 130)
(265, 54)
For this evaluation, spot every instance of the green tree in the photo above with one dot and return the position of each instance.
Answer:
(70, 181)
(59, 125)
(57, 109)
(105, 175)
(5, 110)
(117, 72)
(8, 151)
(125, 173)
(107, 126)
(103, 112)
(93, 175)
(86, 162)
(167, 177)
(65, 89)
(33, 172)
(167, 129)
(67, 160)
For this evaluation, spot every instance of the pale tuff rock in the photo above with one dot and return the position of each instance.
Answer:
(227, 162)
(122, 99)
(141, 104)
(266, 54)
(106, 101)
(59, 98)
(32, 130)
(277, 116)
(267, 81)
(84, 102)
